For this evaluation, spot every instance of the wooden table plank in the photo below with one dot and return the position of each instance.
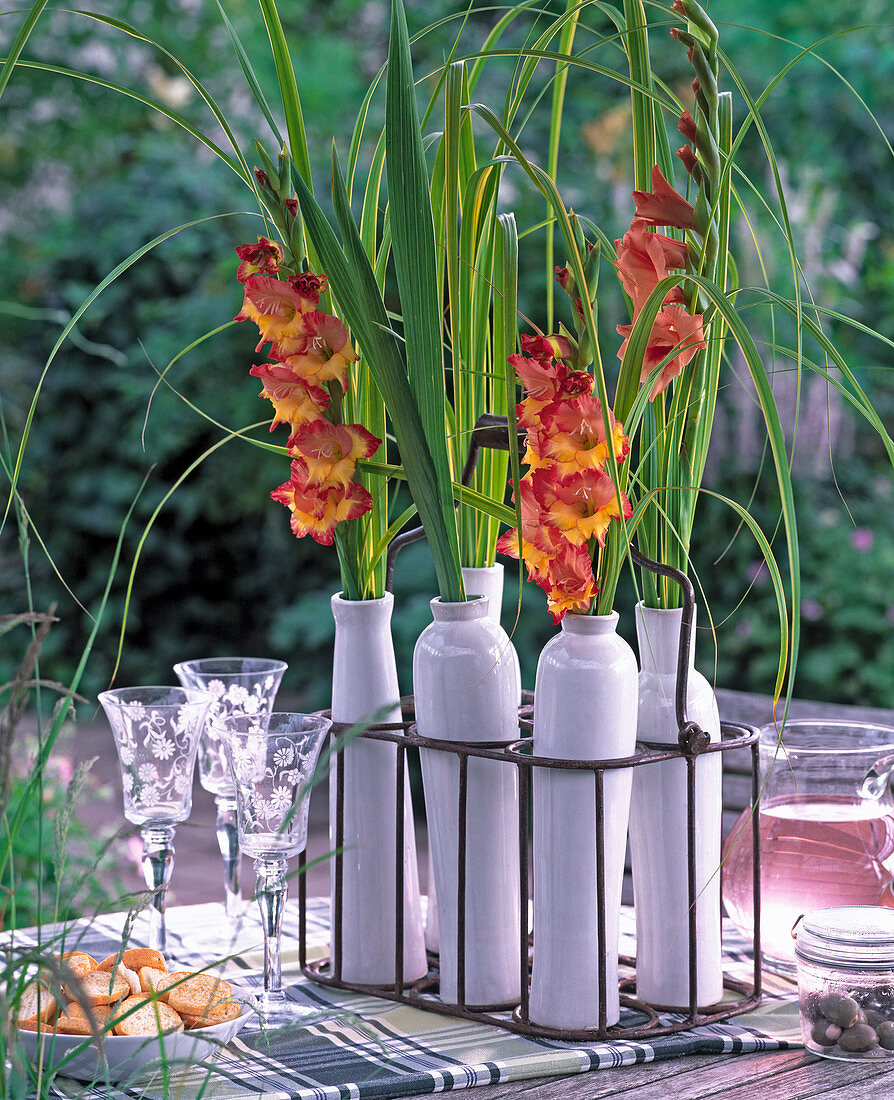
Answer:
(770, 1075)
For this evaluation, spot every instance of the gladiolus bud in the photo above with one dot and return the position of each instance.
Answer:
(691, 165)
(564, 278)
(687, 126)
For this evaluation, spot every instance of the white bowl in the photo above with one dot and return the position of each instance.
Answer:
(120, 1057)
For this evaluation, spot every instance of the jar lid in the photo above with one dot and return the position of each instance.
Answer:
(848, 936)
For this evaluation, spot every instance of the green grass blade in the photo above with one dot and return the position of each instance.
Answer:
(147, 101)
(557, 113)
(250, 78)
(288, 88)
(19, 43)
(76, 316)
(636, 43)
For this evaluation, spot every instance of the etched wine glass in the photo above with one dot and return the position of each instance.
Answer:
(156, 732)
(273, 759)
(242, 686)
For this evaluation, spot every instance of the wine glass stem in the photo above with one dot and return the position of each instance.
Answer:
(272, 891)
(158, 864)
(228, 841)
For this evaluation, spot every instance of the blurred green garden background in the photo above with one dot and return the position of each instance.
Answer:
(88, 175)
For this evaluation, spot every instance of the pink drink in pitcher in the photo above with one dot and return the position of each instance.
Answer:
(815, 853)
(827, 830)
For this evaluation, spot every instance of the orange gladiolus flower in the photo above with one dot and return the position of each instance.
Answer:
(580, 507)
(317, 512)
(262, 258)
(330, 451)
(663, 205)
(644, 258)
(322, 352)
(573, 436)
(275, 307)
(295, 400)
(545, 381)
(674, 328)
(537, 559)
(540, 544)
(309, 288)
(570, 585)
(545, 348)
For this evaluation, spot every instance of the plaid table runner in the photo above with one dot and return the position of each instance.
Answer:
(366, 1048)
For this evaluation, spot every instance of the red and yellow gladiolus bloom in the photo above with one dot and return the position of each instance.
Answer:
(262, 258)
(554, 346)
(308, 287)
(321, 352)
(295, 400)
(317, 511)
(573, 439)
(569, 583)
(545, 380)
(330, 451)
(276, 308)
(540, 544)
(580, 507)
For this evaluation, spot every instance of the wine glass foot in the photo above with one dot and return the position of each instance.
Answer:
(276, 1010)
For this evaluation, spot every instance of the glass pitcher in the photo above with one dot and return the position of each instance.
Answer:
(827, 829)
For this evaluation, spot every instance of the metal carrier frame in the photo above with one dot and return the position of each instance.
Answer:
(693, 742)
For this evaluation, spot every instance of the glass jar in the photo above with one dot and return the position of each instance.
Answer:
(845, 962)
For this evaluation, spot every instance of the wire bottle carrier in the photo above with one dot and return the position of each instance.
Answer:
(693, 743)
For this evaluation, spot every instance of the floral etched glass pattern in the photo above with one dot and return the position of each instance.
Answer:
(156, 732)
(242, 686)
(273, 759)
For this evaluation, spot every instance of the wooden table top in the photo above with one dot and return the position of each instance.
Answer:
(773, 1075)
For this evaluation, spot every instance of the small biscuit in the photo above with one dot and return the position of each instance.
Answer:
(102, 988)
(219, 1014)
(75, 1020)
(37, 1006)
(74, 966)
(163, 984)
(146, 1016)
(150, 978)
(197, 994)
(77, 963)
(135, 957)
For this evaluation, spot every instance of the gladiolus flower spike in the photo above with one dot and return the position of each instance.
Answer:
(644, 258)
(567, 499)
(310, 351)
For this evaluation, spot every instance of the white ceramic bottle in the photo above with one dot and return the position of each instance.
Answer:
(585, 702)
(658, 827)
(466, 686)
(364, 681)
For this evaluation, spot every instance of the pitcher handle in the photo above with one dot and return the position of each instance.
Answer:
(877, 778)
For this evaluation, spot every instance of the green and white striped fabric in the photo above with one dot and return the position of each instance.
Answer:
(366, 1048)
